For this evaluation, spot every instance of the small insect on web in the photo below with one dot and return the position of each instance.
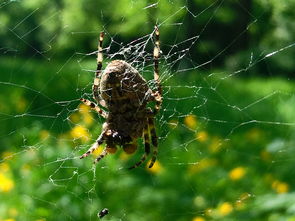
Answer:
(103, 213)
(124, 93)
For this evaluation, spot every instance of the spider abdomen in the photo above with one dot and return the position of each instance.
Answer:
(121, 84)
(126, 94)
(126, 125)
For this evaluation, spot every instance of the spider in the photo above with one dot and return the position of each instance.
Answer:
(125, 94)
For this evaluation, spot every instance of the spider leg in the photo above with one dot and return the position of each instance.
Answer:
(147, 148)
(108, 149)
(94, 146)
(96, 82)
(93, 106)
(158, 94)
(154, 139)
(102, 155)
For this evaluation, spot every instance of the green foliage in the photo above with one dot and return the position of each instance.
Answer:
(228, 171)
(60, 28)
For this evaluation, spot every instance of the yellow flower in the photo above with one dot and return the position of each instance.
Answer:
(6, 184)
(157, 168)
(202, 136)
(203, 164)
(44, 134)
(13, 212)
(84, 114)
(80, 132)
(280, 187)
(87, 118)
(97, 151)
(75, 118)
(225, 209)
(7, 155)
(237, 173)
(215, 145)
(190, 121)
(84, 109)
(4, 167)
(254, 134)
(10, 219)
(198, 218)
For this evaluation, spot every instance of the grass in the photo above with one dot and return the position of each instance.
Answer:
(225, 150)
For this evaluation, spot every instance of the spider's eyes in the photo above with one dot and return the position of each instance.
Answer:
(130, 148)
(116, 135)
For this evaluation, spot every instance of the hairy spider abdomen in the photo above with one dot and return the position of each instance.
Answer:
(126, 94)
(121, 84)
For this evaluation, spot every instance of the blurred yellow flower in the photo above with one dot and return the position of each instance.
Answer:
(10, 219)
(6, 184)
(84, 114)
(215, 145)
(4, 167)
(203, 164)
(254, 135)
(87, 118)
(7, 155)
(157, 168)
(84, 108)
(97, 151)
(190, 121)
(225, 209)
(202, 136)
(44, 134)
(13, 212)
(280, 187)
(75, 118)
(237, 173)
(80, 132)
(198, 218)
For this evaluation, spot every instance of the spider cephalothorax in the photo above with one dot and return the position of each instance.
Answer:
(124, 93)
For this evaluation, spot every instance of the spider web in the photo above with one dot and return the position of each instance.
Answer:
(226, 136)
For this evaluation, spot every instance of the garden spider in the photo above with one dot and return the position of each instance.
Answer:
(125, 94)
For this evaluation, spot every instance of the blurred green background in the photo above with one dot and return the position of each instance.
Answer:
(226, 128)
